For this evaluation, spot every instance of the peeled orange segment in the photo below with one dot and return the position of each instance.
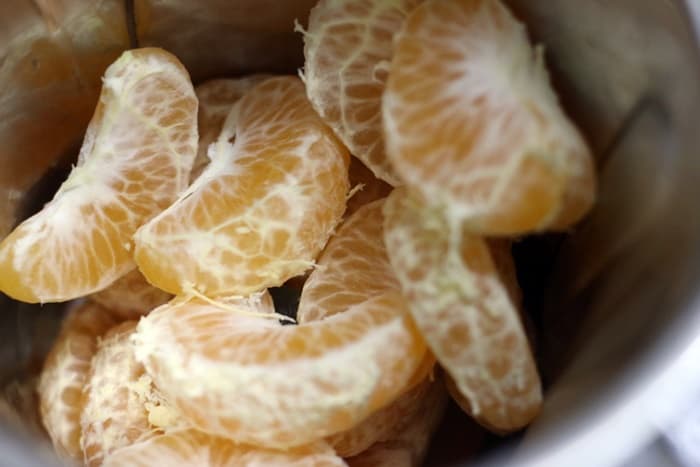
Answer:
(347, 49)
(135, 160)
(352, 268)
(131, 296)
(364, 187)
(192, 448)
(261, 383)
(382, 424)
(216, 97)
(262, 210)
(65, 372)
(121, 405)
(472, 123)
(407, 445)
(464, 312)
(466, 406)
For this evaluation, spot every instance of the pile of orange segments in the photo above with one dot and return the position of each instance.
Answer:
(389, 179)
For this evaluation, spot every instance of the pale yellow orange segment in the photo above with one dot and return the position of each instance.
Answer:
(216, 97)
(383, 424)
(65, 372)
(261, 383)
(192, 448)
(353, 267)
(472, 123)
(464, 311)
(364, 187)
(134, 162)
(408, 443)
(121, 406)
(264, 207)
(347, 49)
(131, 296)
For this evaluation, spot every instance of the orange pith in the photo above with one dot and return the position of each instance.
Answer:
(347, 48)
(120, 404)
(216, 97)
(65, 372)
(472, 123)
(264, 207)
(194, 448)
(261, 383)
(135, 160)
(464, 311)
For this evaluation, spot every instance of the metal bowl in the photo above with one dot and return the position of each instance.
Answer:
(615, 300)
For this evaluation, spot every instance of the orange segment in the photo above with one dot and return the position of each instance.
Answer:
(347, 49)
(194, 448)
(408, 443)
(464, 312)
(216, 97)
(352, 268)
(65, 373)
(471, 122)
(364, 187)
(121, 405)
(261, 383)
(131, 296)
(135, 160)
(262, 210)
(383, 424)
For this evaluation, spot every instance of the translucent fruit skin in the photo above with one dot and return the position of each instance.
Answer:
(192, 448)
(261, 383)
(471, 122)
(216, 97)
(135, 160)
(121, 406)
(66, 371)
(353, 267)
(347, 48)
(464, 311)
(262, 210)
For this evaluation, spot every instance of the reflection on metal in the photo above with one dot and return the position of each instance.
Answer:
(52, 55)
(216, 38)
(634, 199)
(622, 302)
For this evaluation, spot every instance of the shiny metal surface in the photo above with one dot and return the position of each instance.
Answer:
(621, 305)
(616, 302)
(52, 54)
(224, 37)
